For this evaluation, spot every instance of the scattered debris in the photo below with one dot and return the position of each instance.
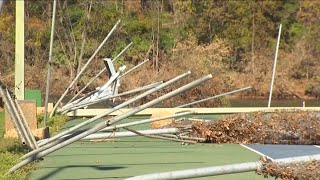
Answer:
(280, 127)
(308, 170)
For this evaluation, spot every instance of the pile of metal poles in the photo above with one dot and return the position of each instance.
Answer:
(70, 135)
(17, 117)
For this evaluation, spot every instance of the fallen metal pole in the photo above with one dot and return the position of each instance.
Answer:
(109, 122)
(184, 137)
(102, 71)
(159, 137)
(84, 67)
(130, 124)
(147, 121)
(130, 134)
(221, 170)
(12, 115)
(118, 107)
(26, 126)
(19, 121)
(274, 66)
(217, 96)
(104, 98)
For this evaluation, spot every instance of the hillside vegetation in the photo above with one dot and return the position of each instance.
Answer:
(233, 40)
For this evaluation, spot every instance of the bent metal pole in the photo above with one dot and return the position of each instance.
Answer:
(71, 102)
(84, 67)
(109, 122)
(213, 97)
(104, 98)
(140, 96)
(102, 71)
(47, 144)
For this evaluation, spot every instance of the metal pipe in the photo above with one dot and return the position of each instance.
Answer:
(1, 3)
(130, 134)
(147, 121)
(184, 137)
(12, 115)
(109, 82)
(26, 126)
(159, 137)
(84, 67)
(135, 67)
(274, 66)
(217, 96)
(104, 98)
(220, 170)
(102, 71)
(118, 107)
(109, 122)
(129, 124)
(49, 64)
(18, 119)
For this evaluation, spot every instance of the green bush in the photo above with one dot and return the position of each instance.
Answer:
(54, 123)
(10, 152)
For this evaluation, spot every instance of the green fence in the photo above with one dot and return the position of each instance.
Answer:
(33, 95)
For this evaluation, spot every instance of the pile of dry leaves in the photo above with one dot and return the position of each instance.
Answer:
(281, 127)
(309, 170)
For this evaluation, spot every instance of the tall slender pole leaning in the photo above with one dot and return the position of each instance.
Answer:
(115, 108)
(274, 66)
(213, 97)
(49, 65)
(109, 122)
(84, 67)
(102, 71)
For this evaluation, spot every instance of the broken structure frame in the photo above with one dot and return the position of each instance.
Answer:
(109, 122)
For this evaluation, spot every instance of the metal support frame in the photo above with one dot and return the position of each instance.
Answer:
(78, 126)
(102, 71)
(73, 107)
(109, 122)
(73, 103)
(84, 67)
(125, 125)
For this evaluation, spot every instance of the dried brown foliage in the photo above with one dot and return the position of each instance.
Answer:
(299, 127)
(310, 170)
